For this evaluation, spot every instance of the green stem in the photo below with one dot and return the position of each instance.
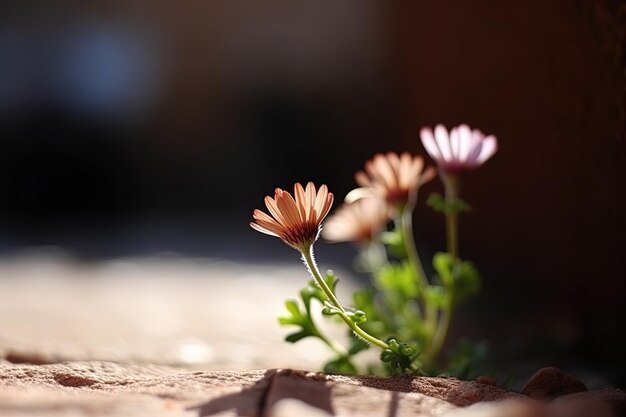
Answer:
(307, 256)
(409, 241)
(309, 260)
(336, 347)
(452, 216)
(440, 335)
(363, 334)
(452, 233)
(406, 228)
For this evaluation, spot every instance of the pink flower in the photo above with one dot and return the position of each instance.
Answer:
(461, 150)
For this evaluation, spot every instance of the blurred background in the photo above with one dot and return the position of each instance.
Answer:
(134, 130)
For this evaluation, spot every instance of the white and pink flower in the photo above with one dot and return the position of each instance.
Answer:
(461, 150)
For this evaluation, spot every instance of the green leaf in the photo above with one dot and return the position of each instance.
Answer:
(363, 299)
(313, 291)
(297, 336)
(293, 308)
(394, 242)
(436, 201)
(460, 276)
(444, 265)
(441, 205)
(391, 238)
(438, 296)
(399, 357)
(295, 317)
(466, 358)
(331, 280)
(300, 318)
(357, 317)
(330, 309)
(341, 365)
(357, 345)
(399, 278)
(467, 281)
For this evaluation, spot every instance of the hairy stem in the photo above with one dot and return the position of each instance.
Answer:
(309, 261)
(307, 256)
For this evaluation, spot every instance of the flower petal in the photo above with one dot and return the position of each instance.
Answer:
(320, 201)
(428, 140)
(380, 168)
(489, 147)
(362, 179)
(359, 193)
(464, 139)
(455, 139)
(467, 144)
(443, 142)
(287, 206)
(271, 205)
(261, 229)
(300, 197)
(309, 199)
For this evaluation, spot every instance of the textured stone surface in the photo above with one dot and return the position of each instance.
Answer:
(552, 382)
(349, 397)
(112, 389)
(460, 393)
(98, 389)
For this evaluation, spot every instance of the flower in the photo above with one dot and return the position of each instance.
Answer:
(357, 222)
(392, 177)
(296, 221)
(462, 150)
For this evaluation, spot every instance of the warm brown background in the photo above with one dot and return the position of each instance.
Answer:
(202, 108)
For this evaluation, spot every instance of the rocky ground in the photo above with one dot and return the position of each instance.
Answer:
(178, 337)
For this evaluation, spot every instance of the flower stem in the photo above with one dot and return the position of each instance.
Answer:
(307, 256)
(406, 228)
(452, 216)
(440, 334)
(309, 260)
(363, 334)
(336, 347)
(452, 233)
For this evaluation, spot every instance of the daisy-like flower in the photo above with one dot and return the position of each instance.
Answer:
(357, 222)
(461, 150)
(297, 221)
(392, 177)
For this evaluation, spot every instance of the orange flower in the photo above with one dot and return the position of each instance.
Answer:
(394, 178)
(296, 221)
(357, 222)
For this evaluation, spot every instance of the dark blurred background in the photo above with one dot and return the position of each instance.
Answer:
(135, 128)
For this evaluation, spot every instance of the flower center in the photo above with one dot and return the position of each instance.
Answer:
(303, 234)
